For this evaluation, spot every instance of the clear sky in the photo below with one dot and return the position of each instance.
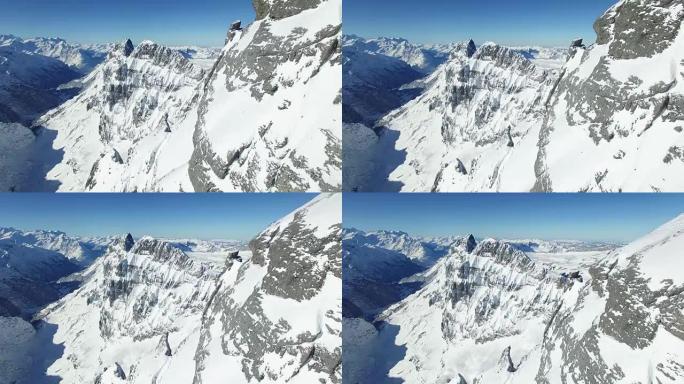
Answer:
(508, 22)
(238, 216)
(170, 22)
(603, 217)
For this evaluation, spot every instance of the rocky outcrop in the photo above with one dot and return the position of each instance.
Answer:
(611, 100)
(280, 9)
(263, 151)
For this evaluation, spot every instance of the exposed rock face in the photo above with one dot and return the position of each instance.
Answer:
(280, 9)
(634, 29)
(471, 244)
(610, 100)
(128, 242)
(268, 77)
(244, 328)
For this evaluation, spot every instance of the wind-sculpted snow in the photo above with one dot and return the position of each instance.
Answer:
(148, 312)
(495, 315)
(270, 113)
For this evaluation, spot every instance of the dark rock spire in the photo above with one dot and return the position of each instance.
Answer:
(129, 242)
(470, 50)
(470, 243)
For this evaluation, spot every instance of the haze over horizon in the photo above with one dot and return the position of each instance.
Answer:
(197, 216)
(172, 23)
(587, 217)
(512, 23)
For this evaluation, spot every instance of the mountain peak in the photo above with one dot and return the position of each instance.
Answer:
(471, 48)
(470, 243)
(124, 48)
(128, 242)
(128, 47)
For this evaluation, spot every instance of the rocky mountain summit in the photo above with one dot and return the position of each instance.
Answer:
(492, 313)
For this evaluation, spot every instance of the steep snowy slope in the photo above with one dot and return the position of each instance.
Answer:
(150, 313)
(269, 117)
(620, 104)
(15, 145)
(493, 315)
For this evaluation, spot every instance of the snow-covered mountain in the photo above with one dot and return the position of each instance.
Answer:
(79, 250)
(203, 57)
(508, 119)
(421, 57)
(544, 57)
(28, 84)
(476, 115)
(620, 104)
(494, 314)
(82, 58)
(110, 136)
(265, 116)
(146, 311)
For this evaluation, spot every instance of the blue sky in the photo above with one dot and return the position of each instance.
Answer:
(605, 217)
(509, 22)
(197, 215)
(170, 22)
